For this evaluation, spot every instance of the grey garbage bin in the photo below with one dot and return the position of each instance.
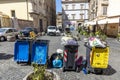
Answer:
(70, 56)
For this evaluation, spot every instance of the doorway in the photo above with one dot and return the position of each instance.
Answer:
(41, 25)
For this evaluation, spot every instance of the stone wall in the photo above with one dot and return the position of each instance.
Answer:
(5, 22)
(25, 23)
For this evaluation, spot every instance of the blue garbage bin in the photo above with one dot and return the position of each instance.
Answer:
(40, 52)
(21, 51)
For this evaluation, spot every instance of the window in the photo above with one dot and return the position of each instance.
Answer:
(104, 10)
(34, 5)
(73, 16)
(81, 16)
(63, 16)
(46, 8)
(13, 13)
(15, 30)
(67, 15)
(66, 6)
(40, 3)
(9, 31)
(81, 5)
(73, 6)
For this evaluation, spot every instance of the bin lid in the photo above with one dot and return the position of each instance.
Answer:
(71, 42)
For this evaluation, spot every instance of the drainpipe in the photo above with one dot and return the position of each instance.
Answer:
(27, 10)
(119, 26)
(0, 21)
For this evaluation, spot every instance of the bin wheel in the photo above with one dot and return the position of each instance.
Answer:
(63, 69)
(18, 62)
(29, 63)
(88, 71)
(77, 69)
(98, 71)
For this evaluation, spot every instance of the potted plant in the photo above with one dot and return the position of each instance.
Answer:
(97, 33)
(86, 36)
(91, 34)
(40, 73)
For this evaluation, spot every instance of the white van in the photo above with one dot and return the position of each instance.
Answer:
(51, 30)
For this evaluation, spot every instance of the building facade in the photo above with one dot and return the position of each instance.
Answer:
(98, 9)
(4, 20)
(31, 10)
(59, 20)
(105, 14)
(75, 12)
(50, 10)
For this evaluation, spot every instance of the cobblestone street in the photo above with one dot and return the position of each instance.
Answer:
(10, 70)
(79, 37)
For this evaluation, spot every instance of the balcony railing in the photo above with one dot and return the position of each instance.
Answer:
(106, 2)
(77, 1)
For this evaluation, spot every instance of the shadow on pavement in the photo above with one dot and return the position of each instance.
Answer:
(5, 56)
(24, 64)
(109, 71)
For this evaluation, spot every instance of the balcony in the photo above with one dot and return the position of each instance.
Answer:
(36, 12)
(105, 2)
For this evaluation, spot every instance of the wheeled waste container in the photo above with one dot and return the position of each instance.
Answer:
(22, 50)
(40, 52)
(97, 58)
(70, 55)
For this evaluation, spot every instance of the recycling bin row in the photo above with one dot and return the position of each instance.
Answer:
(96, 58)
(29, 51)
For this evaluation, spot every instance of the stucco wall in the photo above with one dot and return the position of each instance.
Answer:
(114, 8)
(19, 7)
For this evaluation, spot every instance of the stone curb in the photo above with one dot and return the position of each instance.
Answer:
(56, 77)
(25, 78)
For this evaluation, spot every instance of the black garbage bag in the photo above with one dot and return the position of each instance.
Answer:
(56, 57)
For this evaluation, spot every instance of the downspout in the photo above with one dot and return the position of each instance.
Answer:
(27, 10)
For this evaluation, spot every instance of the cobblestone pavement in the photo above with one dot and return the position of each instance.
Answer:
(10, 70)
(112, 73)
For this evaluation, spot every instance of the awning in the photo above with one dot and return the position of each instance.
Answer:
(104, 21)
(113, 20)
(90, 23)
(109, 20)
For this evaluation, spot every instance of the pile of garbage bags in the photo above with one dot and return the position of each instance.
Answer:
(68, 41)
(96, 42)
(56, 59)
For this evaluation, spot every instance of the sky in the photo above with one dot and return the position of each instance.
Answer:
(58, 6)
